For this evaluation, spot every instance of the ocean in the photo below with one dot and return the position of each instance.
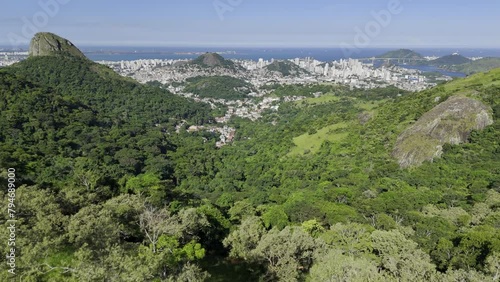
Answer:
(434, 69)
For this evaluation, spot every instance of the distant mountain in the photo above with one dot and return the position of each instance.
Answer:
(212, 60)
(49, 44)
(286, 68)
(481, 65)
(450, 60)
(402, 54)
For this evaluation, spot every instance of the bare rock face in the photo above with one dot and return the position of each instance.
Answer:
(364, 117)
(49, 44)
(450, 122)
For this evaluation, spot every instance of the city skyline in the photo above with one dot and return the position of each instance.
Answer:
(257, 23)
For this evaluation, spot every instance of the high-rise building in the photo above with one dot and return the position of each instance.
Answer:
(261, 63)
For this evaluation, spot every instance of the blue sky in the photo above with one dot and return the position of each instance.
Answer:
(249, 23)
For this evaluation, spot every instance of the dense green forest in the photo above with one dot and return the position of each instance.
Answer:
(108, 191)
(219, 87)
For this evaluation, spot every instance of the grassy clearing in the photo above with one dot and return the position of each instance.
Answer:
(368, 106)
(486, 79)
(316, 101)
(310, 143)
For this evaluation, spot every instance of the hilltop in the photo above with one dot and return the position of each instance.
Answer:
(285, 68)
(402, 54)
(49, 44)
(450, 60)
(212, 60)
(477, 66)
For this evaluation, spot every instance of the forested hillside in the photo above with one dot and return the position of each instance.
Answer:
(219, 87)
(109, 191)
(79, 136)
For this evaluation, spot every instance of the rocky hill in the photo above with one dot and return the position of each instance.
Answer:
(49, 44)
(449, 122)
(212, 60)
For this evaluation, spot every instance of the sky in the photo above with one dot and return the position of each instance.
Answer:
(256, 23)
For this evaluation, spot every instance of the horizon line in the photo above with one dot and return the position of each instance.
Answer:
(117, 45)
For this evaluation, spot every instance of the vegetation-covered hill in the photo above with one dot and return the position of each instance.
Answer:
(350, 181)
(285, 68)
(481, 65)
(57, 109)
(77, 134)
(450, 60)
(218, 87)
(454, 62)
(213, 60)
(402, 54)
(108, 191)
(105, 91)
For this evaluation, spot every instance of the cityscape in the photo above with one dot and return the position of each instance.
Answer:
(350, 72)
